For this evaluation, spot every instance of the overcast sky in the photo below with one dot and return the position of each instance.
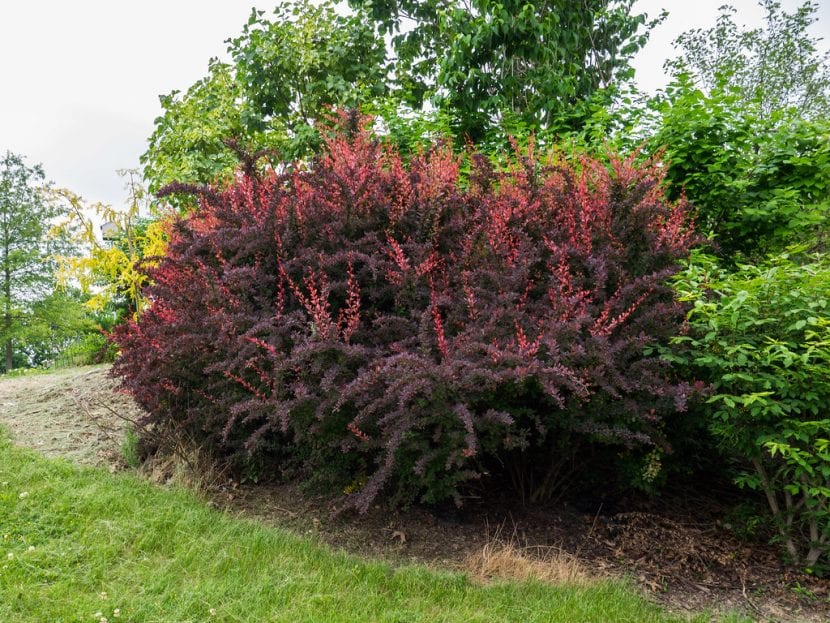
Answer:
(80, 79)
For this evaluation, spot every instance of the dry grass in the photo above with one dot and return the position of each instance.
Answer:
(78, 414)
(507, 559)
(74, 413)
(187, 465)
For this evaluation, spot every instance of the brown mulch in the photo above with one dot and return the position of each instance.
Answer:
(678, 548)
(678, 551)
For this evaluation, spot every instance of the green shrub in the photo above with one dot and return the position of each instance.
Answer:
(90, 348)
(761, 336)
(759, 183)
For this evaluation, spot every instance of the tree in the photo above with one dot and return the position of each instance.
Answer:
(27, 251)
(286, 72)
(539, 62)
(744, 129)
(778, 66)
(61, 329)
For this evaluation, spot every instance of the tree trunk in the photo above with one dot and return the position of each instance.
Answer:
(9, 362)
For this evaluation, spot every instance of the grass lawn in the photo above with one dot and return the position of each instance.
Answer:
(83, 545)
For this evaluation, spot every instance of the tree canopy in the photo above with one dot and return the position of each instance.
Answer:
(744, 127)
(477, 66)
(539, 62)
(286, 71)
(778, 66)
(29, 307)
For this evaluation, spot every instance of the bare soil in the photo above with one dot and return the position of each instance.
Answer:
(678, 549)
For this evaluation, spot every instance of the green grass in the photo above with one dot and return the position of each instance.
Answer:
(52, 370)
(70, 535)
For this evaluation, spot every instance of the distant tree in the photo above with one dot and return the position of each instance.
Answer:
(744, 128)
(540, 63)
(27, 252)
(59, 325)
(779, 65)
(758, 184)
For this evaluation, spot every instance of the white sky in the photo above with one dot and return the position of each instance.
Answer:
(80, 79)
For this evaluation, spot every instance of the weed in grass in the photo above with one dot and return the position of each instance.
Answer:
(129, 448)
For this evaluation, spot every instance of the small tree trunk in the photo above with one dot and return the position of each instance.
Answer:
(9, 352)
(784, 523)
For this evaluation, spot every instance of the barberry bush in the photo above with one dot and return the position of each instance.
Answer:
(398, 328)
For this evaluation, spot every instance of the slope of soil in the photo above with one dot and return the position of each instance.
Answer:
(677, 549)
(73, 413)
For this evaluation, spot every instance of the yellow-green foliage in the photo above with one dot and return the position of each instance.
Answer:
(108, 269)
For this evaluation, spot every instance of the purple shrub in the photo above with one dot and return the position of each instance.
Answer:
(398, 330)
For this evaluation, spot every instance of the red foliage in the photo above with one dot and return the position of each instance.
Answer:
(387, 322)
